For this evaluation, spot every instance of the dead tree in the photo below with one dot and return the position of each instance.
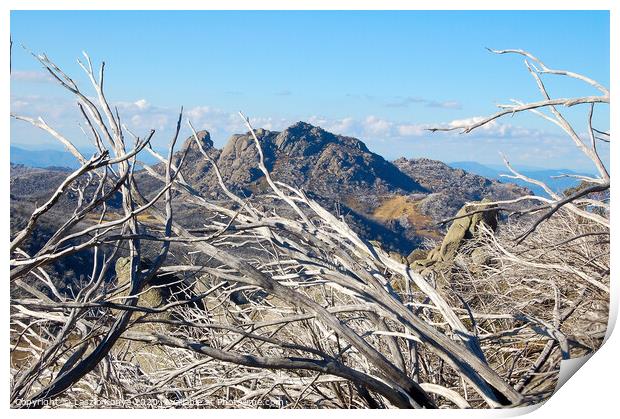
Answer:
(73, 343)
(580, 201)
(321, 323)
(554, 249)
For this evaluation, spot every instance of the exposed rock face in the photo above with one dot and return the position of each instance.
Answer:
(344, 176)
(460, 230)
(397, 203)
(451, 188)
(195, 165)
(151, 298)
(162, 289)
(308, 157)
(149, 358)
(33, 183)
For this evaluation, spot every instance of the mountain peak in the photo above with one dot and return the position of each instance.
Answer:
(203, 137)
(303, 139)
(303, 126)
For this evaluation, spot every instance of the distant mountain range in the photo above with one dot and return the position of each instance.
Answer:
(63, 159)
(397, 203)
(549, 176)
(53, 158)
(43, 158)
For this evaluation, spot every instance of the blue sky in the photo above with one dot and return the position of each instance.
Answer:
(380, 76)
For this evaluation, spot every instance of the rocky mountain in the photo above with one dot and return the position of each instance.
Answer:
(451, 188)
(31, 188)
(396, 203)
(304, 156)
(31, 183)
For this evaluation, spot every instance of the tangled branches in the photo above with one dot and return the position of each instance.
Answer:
(274, 301)
(576, 201)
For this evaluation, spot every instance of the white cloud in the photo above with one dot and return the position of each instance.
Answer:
(19, 104)
(448, 104)
(412, 130)
(496, 129)
(468, 121)
(140, 116)
(377, 126)
(44, 106)
(344, 126)
(136, 120)
(388, 137)
(142, 104)
(31, 76)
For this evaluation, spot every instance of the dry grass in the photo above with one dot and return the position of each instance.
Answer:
(399, 206)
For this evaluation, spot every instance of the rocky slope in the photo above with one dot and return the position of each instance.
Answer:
(304, 156)
(451, 188)
(396, 203)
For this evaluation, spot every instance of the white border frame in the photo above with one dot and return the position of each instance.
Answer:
(594, 389)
